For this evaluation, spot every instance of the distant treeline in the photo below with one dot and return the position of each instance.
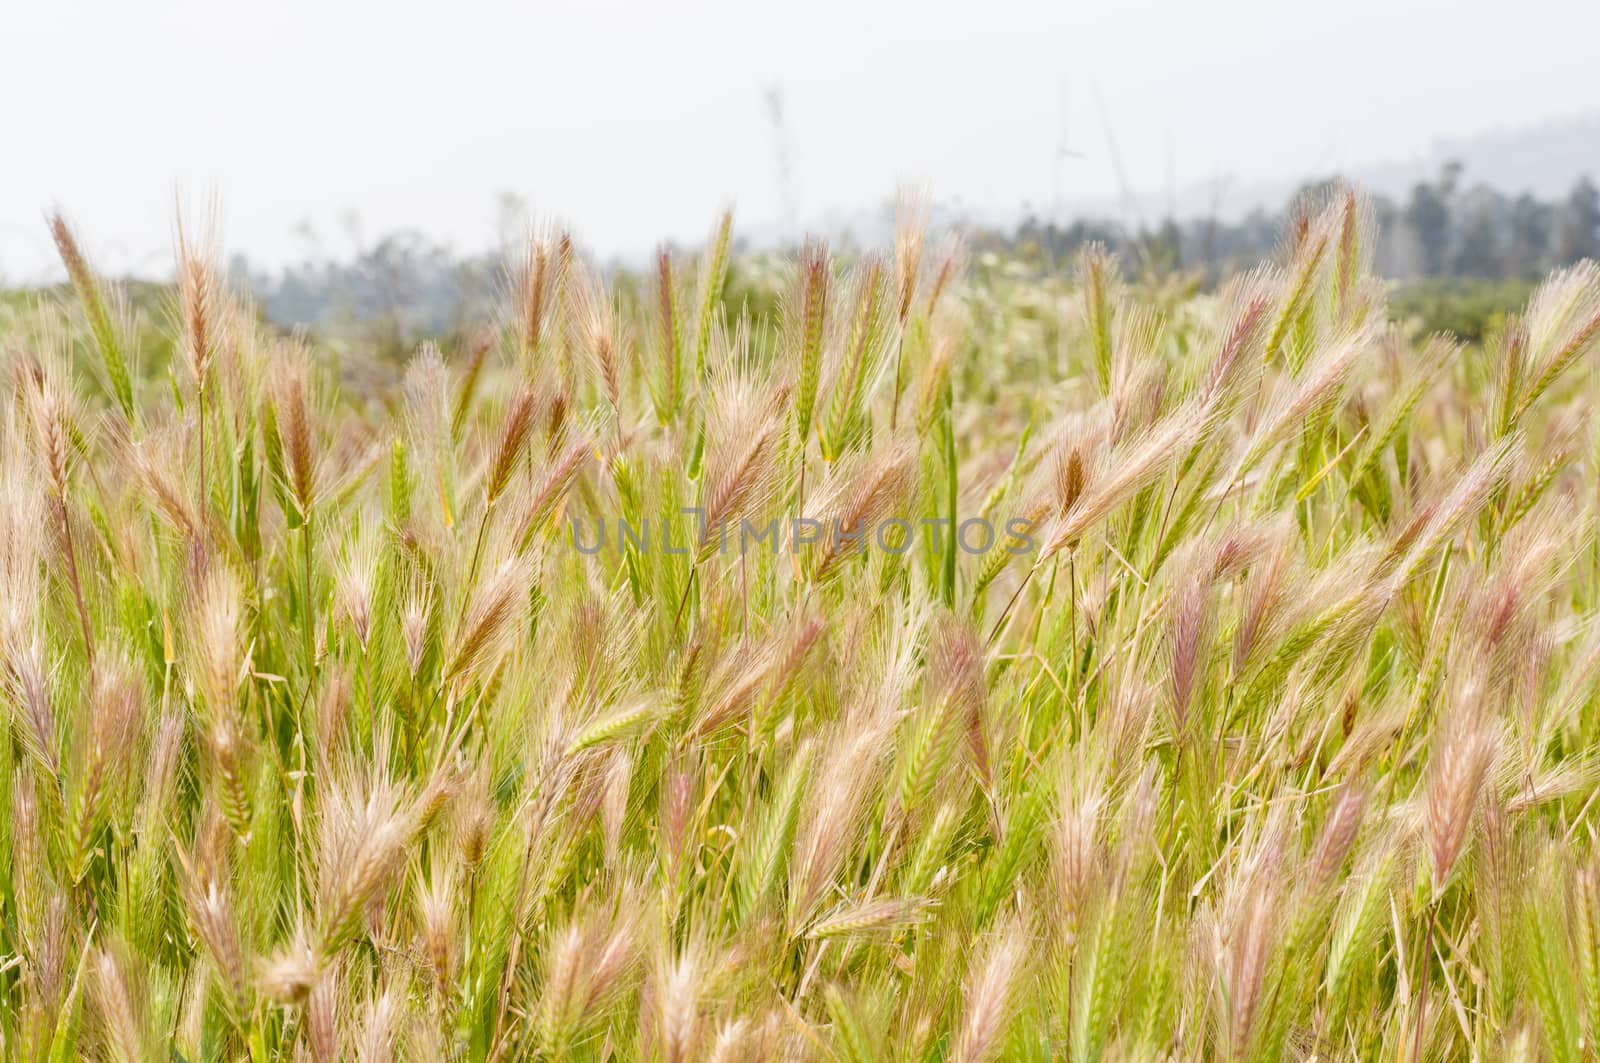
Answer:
(1443, 229)
(1446, 237)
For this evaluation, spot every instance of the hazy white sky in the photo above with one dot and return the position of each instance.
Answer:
(636, 121)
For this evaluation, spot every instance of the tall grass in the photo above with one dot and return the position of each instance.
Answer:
(1263, 727)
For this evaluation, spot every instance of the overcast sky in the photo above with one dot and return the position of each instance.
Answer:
(635, 122)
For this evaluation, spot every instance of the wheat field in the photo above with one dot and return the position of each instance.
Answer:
(947, 662)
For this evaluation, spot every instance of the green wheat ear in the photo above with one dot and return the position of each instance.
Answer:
(1100, 969)
(1097, 277)
(670, 339)
(399, 485)
(713, 276)
(469, 386)
(762, 862)
(869, 321)
(94, 309)
(812, 313)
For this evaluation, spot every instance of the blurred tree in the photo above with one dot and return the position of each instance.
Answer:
(1428, 215)
(1478, 253)
(1529, 237)
(1579, 235)
(1163, 249)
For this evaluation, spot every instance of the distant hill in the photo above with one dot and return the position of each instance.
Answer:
(1544, 159)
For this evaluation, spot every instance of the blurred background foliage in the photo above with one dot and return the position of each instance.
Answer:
(1459, 256)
